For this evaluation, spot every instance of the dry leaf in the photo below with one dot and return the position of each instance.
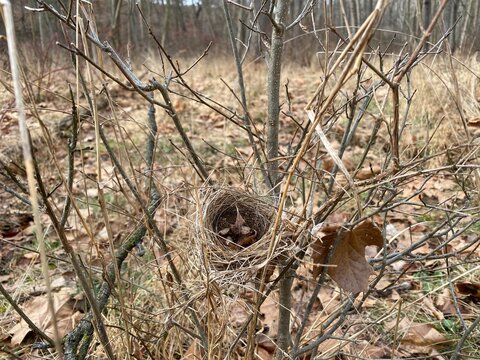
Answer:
(262, 353)
(369, 351)
(430, 307)
(330, 347)
(472, 290)
(238, 315)
(351, 270)
(424, 335)
(475, 122)
(194, 352)
(269, 316)
(37, 310)
(416, 334)
(368, 172)
(265, 342)
(238, 234)
(445, 303)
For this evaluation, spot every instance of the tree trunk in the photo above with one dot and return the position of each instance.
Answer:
(426, 15)
(116, 36)
(166, 21)
(453, 18)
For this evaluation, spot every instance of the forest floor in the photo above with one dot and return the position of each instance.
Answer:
(419, 308)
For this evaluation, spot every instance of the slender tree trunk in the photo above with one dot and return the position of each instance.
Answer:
(116, 36)
(166, 21)
(262, 24)
(41, 29)
(273, 90)
(207, 10)
(359, 11)
(468, 23)
(352, 14)
(426, 15)
(273, 126)
(474, 25)
(453, 18)
(179, 18)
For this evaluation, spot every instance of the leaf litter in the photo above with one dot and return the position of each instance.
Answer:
(348, 267)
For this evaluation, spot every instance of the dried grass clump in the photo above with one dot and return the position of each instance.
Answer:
(230, 263)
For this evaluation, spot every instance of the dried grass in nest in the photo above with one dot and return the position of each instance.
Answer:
(228, 262)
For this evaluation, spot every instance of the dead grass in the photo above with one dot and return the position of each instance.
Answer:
(155, 306)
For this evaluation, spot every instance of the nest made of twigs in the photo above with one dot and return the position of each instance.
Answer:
(233, 232)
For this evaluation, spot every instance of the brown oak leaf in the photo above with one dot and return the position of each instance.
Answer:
(471, 290)
(348, 266)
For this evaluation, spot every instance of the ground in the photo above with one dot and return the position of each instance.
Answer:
(418, 305)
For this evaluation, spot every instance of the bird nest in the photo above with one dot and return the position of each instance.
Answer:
(233, 232)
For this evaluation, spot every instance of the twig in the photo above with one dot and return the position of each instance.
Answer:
(16, 194)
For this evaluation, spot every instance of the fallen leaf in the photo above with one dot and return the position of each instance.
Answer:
(430, 307)
(349, 267)
(330, 347)
(369, 351)
(238, 315)
(445, 303)
(424, 335)
(262, 354)
(329, 300)
(472, 290)
(269, 316)
(28, 259)
(12, 223)
(194, 351)
(369, 172)
(37, 310)
(5, 278)
(265, 342)
(238, 234)
(475, 122)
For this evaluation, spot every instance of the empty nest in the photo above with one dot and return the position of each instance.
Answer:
(233, 232)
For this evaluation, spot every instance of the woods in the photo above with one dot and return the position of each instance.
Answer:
(196, 23)
(248, 179)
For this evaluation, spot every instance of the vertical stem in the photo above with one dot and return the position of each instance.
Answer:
(273, 126)
(395, 125)
(284, 312)
(273, 90)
